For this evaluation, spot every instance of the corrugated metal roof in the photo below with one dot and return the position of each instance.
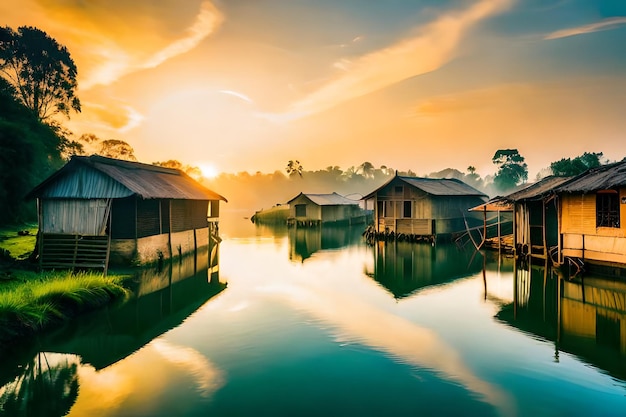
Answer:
(435, 186)
(601, 178)
(146, 181)
(537, 190)
(333, 199)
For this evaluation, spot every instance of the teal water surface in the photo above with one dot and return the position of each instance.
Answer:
(316, 323)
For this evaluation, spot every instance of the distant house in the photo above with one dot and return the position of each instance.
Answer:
(315, 209)
(593, 215)
(424, 207)
(97, 210)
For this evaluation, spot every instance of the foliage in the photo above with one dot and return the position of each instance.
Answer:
(41, 71)
(192, 171)
(88, 144)
(294, 168)
(512, 170)
(29, 152)
(567, 167)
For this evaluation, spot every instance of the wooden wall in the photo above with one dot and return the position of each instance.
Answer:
(580, 236)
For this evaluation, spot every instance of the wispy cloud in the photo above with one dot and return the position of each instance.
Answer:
(435, 45)
(116, 59)
(606, 24)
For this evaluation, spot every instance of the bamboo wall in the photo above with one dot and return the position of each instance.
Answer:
(580, 236)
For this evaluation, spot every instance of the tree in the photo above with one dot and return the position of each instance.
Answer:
(367, 169)
(567, 167)
(294, 167)
(118, 149)
(29, 152)
(512, 170)
(41, 71)
(190, 170)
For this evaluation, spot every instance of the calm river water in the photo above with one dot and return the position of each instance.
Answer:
(316, 323)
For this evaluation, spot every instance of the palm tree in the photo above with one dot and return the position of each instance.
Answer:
(294, 167)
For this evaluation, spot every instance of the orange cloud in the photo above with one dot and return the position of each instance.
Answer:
(434, 46)
(111, 39)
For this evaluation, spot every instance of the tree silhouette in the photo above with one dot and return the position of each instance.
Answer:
(294, 167)
(41, 71)
(512, 170)
(568, 167)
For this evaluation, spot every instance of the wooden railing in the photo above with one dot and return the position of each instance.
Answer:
(59, 251)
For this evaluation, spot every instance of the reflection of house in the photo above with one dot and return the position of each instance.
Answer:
(163, 299)
(584, 317)
(403, 268)
(424, 206)
(304, 242)
(314, 209)
(95, 208)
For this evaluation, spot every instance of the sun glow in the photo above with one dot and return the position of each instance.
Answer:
(208, 170)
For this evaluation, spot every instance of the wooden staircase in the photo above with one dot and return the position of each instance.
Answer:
(58, 251)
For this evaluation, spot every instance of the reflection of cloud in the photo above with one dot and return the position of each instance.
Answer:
(208, 377)
(435, 45)
(606, 24)
(409, 343)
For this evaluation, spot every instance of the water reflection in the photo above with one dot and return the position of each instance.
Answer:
(585, 317)
(305, 241)
(43, 379)
(402, 268)
(47, 386)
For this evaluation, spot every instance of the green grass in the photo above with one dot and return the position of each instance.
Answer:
(31, 300)
(18, 246)
(34, 300)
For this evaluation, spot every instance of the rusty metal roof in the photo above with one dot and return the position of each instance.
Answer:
(435, 186)
(537, 190)
(144, 180)
(603, 177)
(333, 199)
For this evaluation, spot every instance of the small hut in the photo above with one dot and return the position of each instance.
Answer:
(535, 217)
(96, 210)
(316, 209)
(593, 205)
(424, 207)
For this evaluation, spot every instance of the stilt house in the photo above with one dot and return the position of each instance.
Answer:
(97, 210)
(315, 209)
(535, 217)
(424, 207)
(593, 215)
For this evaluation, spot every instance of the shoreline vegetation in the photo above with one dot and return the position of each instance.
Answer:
(32, 301)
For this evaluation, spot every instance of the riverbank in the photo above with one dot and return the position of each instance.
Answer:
(31, 301)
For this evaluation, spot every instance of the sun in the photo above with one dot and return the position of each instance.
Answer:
(208, 170)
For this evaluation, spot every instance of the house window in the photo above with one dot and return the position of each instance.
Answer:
(607, 209)
(407, 210)
(300, 210)
(381, 208)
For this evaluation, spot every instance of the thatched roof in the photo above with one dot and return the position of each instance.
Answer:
(434, 186)
(99, 177)
(333, 199)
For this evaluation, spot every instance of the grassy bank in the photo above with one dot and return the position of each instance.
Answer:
(31, 301)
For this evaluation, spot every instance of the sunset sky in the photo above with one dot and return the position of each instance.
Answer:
(246, 85)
